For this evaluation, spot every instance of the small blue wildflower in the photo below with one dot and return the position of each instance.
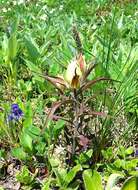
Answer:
(136, 153)
(16, 113)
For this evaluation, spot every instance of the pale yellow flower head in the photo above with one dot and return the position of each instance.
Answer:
(75, 71)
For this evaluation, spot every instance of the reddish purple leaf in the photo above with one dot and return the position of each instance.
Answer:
(54, 107)
(92, 82)
(88, 71)
(58, 82)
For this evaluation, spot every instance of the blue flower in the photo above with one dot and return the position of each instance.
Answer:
(16, 113)
(136, 153)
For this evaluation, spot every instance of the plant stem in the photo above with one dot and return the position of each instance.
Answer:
(76, 123)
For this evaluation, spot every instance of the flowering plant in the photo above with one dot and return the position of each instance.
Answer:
(16, 113)
(75, 80)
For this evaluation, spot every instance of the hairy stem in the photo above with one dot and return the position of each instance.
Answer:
(76, 122)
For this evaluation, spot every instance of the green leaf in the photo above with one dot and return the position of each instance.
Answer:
(54, 69)
(72, 188)
(112, 180)
(33, 131)
(5, 47)
(118, 163)
(133, 173)
(85, 156)
(2, 153)
(32, 48)
(36, 71)
(131, 184)
(58, 127)
(14, 25)
(28, 116)
(54, 162)
(121, 151)
(40, 147)
(19, 153)
(92, 180)
(46, 185)
(108, 154)
(12, 41)
(33, 67)
(26, 141)
(24, 176)
(12, 46)
(59, 172)
(71, 175)
(129, 150)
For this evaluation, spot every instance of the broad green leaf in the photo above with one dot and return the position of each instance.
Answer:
(54, 69)
(14, 25)
(5, 47)
(54, 162)
(40, 147)
(59, 172)
(2, 153)
(92, 180)
(118, 163)
(32, 48)
(112, 180)
(129, 150)
(133, 173)
(24, 176)
(131, 184)
(12, 42)
(74, 185)
(33, 131)
(36, 71)
(58, 127)
(19, 153)
(33, 67)
(12, 46)
(71, 174)
(121, 151)
(85, 156)
(72, 188)
(28, 116)
(26, 141)
(46, 185)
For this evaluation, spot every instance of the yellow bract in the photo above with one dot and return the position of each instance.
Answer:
(75, 71)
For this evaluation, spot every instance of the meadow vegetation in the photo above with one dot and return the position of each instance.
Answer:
(69, 95)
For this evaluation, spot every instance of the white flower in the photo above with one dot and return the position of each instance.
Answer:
(14, 2)
(43, 17)
(44, 7)
(52, 11)
(4, 10)
(59, 150)
(61, 7)
(20, 2)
